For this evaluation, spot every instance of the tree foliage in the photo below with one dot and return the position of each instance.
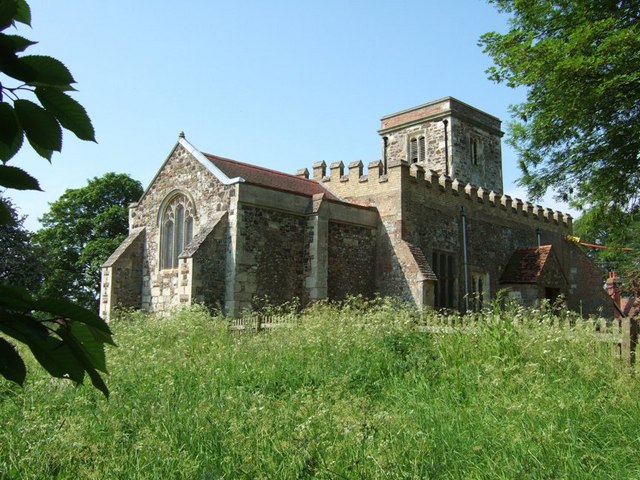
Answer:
(619, 231)
(578, 131)
(21, 262)
(66, 339)
(82, 228)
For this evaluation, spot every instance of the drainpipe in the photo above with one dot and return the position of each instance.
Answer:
(446, 147)
(465, 264)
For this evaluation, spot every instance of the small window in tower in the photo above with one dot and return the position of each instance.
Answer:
(385, 153)
(421, 149)
(474, 151)
(413, 150)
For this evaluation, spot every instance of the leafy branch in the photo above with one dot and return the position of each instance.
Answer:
(70, 342)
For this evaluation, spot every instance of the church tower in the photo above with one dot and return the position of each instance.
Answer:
(449, 137)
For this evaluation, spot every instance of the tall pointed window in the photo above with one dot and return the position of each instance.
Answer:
(176, 230)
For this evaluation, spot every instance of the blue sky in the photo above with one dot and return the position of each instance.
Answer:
(281, 84)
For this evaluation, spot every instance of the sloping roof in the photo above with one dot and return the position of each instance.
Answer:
(526, 265)
(202, 235)
(265, 177)
(134, 234)
(422, 262)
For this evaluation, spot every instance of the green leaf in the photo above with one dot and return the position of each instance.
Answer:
(49, 71)
(9, 126)
(69, 113)
(11, 44)
(50, 352)
(14, 67)
(18, 298)
(18, 179)
(66, 309)
(37, 70)
(92, 346)
(11, 365)
(8, 12)
(43, 152)
(41, 127)
(14, 297)
(83, 358)
(6, 153)
(24, 12)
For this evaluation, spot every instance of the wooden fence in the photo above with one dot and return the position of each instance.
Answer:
(257, 322)
(621, 333)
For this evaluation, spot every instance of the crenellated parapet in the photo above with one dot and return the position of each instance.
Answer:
(354, 183)
(478, 197)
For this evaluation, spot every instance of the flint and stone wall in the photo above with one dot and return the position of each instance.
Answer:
(274, 257)
(208, 262)
(352, 260)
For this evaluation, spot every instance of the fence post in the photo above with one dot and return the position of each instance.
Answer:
(258, 323)
(629, 327)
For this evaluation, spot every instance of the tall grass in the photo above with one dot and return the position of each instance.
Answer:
(362, 391)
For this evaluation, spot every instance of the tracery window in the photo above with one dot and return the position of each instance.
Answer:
(176, 230)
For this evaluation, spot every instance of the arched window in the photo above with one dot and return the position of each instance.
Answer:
(176, 230)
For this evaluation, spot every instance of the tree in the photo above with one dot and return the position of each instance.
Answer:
(618, 232)
(21, 262)
(578, 131)
(82, 228)
(66, 339)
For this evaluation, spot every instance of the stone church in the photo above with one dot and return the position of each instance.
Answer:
(428, 222)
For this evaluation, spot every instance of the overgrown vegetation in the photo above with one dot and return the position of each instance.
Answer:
(361, 391)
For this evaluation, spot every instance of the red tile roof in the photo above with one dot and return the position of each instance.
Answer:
(526, 264)
(265, 177)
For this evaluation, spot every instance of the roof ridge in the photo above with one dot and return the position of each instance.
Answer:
(251, 165)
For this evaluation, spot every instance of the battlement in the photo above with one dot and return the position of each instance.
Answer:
(478, 195)
(355, 185)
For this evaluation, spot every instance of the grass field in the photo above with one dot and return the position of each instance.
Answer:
(353, 392)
